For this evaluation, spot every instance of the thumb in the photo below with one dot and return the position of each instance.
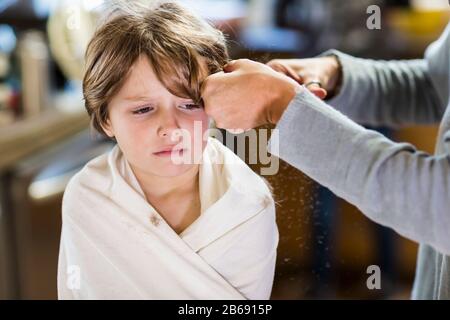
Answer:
(230, 66)
(234, 65)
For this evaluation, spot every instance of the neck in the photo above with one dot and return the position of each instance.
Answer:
(158, 188)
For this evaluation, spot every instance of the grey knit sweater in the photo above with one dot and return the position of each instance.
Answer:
(394, 184)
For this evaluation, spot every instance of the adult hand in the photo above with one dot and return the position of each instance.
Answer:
(246, 95)
(322, 75)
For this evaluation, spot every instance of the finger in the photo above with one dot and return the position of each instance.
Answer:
(231, 66)
(234, 65)
(317, 90)
(285, 69)
(275, 65)
(314, 85)
(293, 74)
(208, 82)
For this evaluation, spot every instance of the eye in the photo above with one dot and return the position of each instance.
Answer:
(190, 106)
(143, 110)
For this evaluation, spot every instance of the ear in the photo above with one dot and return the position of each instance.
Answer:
(108, 128)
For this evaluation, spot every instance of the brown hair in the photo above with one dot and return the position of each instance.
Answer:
(178, 44)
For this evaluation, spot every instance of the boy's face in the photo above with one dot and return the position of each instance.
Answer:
(151, 125)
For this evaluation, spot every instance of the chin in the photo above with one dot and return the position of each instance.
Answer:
(172, 170)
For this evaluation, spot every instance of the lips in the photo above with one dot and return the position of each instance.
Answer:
(168, 151)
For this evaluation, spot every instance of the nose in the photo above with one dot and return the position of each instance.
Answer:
(168, 124)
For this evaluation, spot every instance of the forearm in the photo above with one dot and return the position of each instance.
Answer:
(391, 183)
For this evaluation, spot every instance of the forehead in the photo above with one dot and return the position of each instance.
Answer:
(141, 80)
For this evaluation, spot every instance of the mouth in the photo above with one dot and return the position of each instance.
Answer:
(169, 152)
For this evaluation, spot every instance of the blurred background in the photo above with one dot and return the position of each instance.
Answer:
(325, 245)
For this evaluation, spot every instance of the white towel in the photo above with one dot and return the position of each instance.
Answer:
(114, 245)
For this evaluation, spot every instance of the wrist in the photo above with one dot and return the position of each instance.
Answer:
(335, 76)
(281, 99)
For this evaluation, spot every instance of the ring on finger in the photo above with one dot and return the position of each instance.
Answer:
(316, 82)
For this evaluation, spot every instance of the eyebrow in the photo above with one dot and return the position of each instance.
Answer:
(138, 98)
(149, 98)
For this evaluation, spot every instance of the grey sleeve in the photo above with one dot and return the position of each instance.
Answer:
(388, 93)
(392, 183)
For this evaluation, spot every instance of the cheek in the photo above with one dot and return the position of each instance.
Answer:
(197, 125)
(130, 136)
